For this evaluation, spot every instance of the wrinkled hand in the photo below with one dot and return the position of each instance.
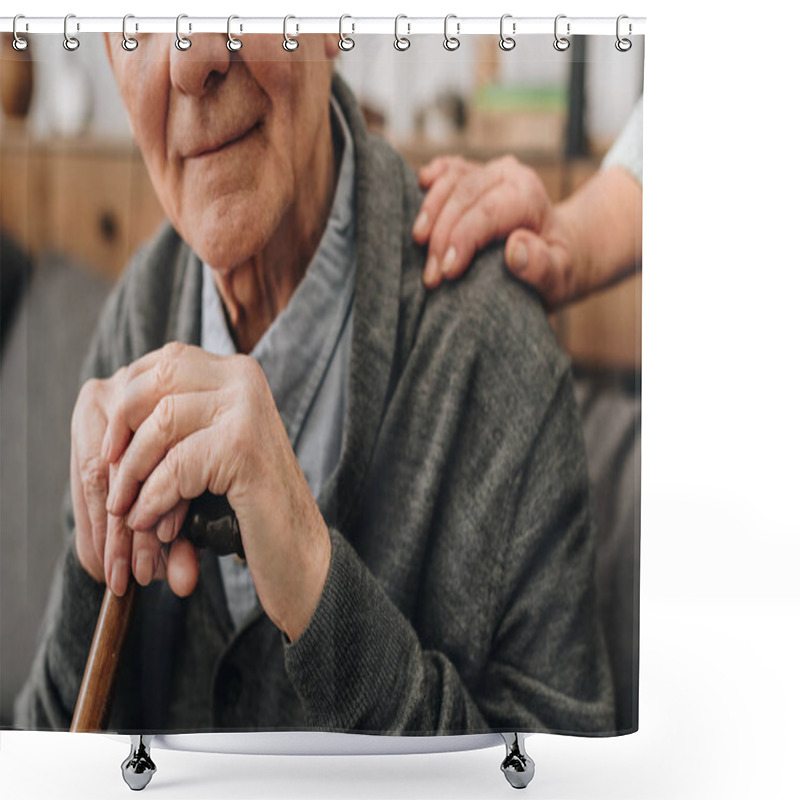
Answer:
(468, 205)
(182, 421)
(103, 542)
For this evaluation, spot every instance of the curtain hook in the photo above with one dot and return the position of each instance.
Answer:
(129, 43)
(451, 43)
(19, 43)
(181, 42)
(233, 44)
(623, 45)
(70, 42)
(290, 43)
(401, 43)
(561, 43)
(346, 43)
(507, 42)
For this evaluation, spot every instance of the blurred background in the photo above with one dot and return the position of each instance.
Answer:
(76, 202)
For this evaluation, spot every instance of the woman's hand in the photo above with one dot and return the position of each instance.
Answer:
(185, 421)
(468, 205)
(566, 251)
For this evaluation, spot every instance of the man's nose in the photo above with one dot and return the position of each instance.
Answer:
(192, 71)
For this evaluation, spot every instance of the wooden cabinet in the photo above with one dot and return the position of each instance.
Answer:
(92, 202)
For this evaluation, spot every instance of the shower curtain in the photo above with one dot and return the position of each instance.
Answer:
(388, 482)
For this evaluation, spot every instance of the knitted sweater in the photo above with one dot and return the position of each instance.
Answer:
(460, 596)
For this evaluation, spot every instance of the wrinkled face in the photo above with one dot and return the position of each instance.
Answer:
(228, 138)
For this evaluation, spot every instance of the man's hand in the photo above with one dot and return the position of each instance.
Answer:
(104, 543)
(184, 421)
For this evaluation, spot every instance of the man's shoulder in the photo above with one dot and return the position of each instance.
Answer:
(496, 326)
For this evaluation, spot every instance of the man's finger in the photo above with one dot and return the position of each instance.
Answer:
(118, 555)
(184, 473)
(174, 369)
(175, 417)
(182, 567)
(93, 476)
(146, 551)
(169, 526)
(85, 547)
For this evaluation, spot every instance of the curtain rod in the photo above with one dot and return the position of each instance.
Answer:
(349, 25)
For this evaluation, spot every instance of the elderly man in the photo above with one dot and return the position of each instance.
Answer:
(407, 468)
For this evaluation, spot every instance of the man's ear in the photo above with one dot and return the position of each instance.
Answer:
(331, 45)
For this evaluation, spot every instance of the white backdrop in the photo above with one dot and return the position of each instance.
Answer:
(720, 534)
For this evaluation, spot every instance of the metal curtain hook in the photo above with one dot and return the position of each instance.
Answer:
(19, 43)
(401, 43)
(561, 43)
(181, 42)
(507, 42)
(346, 42)
(290, 44)
(129, 43)
(623, 45)
(451, 43)
(70, 42)
(233, 44)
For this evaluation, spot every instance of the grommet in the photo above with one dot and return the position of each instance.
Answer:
(290, 43)
(181, 42)
(70, 42)
(346, 43)
(451, 43)
(233, 44)
(19, 43)
(401, 43)
(507, 42)
(129, 43)
(561, 43)
(623, 44)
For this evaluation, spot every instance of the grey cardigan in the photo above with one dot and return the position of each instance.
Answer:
(460, 596)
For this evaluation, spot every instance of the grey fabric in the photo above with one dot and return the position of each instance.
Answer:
(14, 270)
(610, 405)
(305, 354)
(39, 382)
(626, 152)
(461, 592)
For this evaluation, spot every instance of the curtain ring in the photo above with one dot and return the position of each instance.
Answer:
(346, 43)
(70, 42)
(181, 42)
(233, 44)
(561, 43)
(507, 42)
(451, 43)
(129, 43)
(401, 43)
(20, 43)
(623, 45)
(290, 43)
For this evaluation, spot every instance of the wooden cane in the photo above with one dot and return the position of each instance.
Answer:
(209, 523)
